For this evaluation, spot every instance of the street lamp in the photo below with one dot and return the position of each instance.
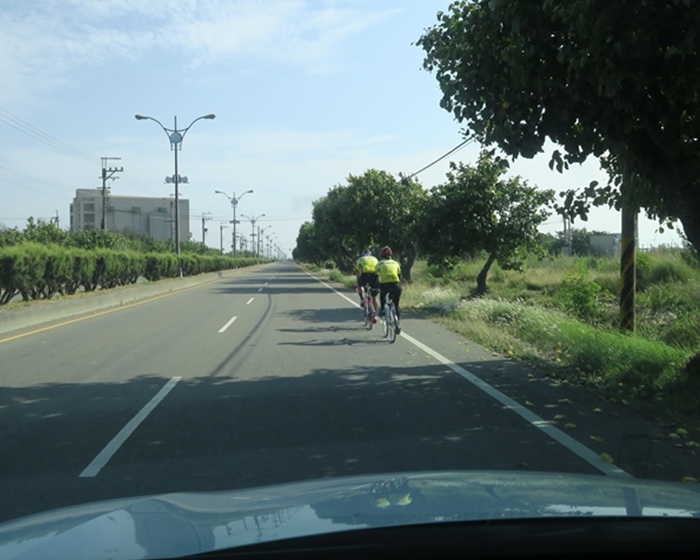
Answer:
(252, 219)
(176, 136)
(270, 240)
(261, 244)
(222, 225)
(234, 203)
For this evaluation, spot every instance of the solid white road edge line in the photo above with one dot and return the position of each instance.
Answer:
(111, 448)
(576, 447)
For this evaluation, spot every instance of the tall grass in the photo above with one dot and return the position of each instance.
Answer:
(598, 355)
(563, 314)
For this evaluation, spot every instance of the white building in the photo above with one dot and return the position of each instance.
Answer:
(605, 244)
(153, 217)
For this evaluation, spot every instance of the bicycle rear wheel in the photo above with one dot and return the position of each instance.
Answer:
(391, 322)
(385, 322)
(368, 314)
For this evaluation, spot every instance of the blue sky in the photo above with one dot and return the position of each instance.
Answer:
(304, 92)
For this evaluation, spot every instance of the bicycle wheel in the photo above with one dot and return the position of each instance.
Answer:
(385, 321)
(368, 314)
(391, 322)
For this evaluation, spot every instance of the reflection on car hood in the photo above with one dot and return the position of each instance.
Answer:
(180, 524)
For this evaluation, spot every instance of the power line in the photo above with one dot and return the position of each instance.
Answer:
(62, 197)
(30, 177)
(452, 151)
(24, 127)
(140, 185)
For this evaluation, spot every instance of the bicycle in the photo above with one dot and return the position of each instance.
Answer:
(390, 322)
(368, 312)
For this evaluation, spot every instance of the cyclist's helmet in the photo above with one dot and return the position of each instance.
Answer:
(366, 253)
(386, 252)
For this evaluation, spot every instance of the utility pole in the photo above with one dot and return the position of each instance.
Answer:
(222, 225)
(107, 173)
(628, 265)
(568, 237)
(206, 216)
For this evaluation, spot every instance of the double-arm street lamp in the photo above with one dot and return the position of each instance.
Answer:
(253, 219)
(261, 242)
(234, 202)
(176, 136)
(270, 240)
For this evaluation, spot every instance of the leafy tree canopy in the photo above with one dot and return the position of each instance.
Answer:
(371, 210)
(617, 80)
(477, 209)
(307, 248)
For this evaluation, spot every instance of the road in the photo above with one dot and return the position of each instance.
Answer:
(263, 377)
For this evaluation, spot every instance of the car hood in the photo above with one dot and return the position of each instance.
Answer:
(180, 524)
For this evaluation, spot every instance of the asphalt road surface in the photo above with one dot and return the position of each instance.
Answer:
(263, 377)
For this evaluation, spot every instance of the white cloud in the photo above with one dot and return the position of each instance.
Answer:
(42, 43)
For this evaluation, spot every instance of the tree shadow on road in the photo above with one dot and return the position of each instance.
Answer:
(222, 432)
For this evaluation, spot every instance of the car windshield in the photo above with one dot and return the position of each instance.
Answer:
(247, 244)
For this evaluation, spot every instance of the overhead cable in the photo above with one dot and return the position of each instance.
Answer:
(452, 151)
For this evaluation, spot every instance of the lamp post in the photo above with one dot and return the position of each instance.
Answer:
(176, 136)
(222, 225)
(270, 239)
(234, 202)
(252, 219)
(261, 243)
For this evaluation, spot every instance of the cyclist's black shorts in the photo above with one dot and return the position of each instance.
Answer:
(391, 287)
(369, 278)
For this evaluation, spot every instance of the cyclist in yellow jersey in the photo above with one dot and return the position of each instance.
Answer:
(389, 272)
(366, 269)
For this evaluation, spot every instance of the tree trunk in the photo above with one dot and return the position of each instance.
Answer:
(481, 278)
(408, 258)
(689, 213)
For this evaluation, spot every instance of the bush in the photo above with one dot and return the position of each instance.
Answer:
(579, 296)
(40, 271)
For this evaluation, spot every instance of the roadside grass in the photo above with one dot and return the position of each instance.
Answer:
(561, 315)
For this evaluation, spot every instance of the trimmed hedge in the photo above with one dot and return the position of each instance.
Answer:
(37, 271)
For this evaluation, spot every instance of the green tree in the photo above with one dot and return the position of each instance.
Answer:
(333, 229)
(307, 249)
(371, 210)
(615, 80)
(9, 236)
(476, 210)
(45, 233)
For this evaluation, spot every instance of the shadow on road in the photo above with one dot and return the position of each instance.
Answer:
(220, 432)
(328, 315)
